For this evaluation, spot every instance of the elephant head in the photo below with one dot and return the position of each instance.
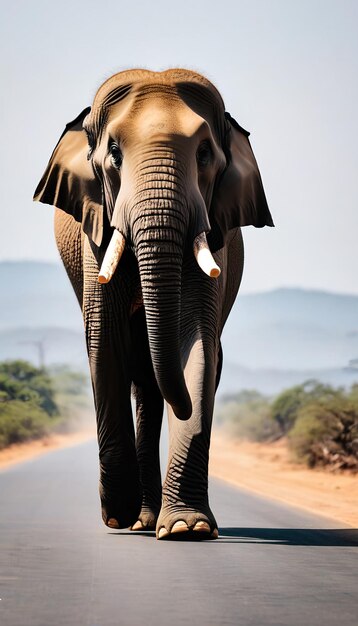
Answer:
(157, 163)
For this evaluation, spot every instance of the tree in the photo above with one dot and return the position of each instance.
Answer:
(287, 405)
(326, 432)
(22, 381)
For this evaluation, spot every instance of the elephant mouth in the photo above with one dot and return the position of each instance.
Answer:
(136, 302)
(117, 244)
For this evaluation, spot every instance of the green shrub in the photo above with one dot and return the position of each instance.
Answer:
(286, 406)
(326, 433)
(353, 395)
(321, 422)
(35, 402)
(21, 421)
(22, 381)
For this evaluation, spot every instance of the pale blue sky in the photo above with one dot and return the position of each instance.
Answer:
(287, 69)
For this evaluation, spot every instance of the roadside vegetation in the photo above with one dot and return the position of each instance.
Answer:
(320, 422)
(35, 402)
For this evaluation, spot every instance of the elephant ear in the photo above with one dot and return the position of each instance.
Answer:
(239, 198)
(69, 182)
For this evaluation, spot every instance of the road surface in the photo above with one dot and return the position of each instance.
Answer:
(59, 565)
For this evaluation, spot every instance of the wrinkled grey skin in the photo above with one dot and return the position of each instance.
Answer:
(156, 325)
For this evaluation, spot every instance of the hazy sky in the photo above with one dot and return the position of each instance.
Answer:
(288, 72)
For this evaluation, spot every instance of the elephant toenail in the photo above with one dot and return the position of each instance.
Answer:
(112, 523)
(215, 533)
(163, 532)
(202, 527)
(180, 527)
(137, 526)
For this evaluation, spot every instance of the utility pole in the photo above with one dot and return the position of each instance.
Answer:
(40, 346)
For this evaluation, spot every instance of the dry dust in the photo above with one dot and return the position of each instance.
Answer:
(266, 469)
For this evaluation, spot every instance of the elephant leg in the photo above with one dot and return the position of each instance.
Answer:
(185, 503)
(149, 414)
(149, 405)
(108, 344)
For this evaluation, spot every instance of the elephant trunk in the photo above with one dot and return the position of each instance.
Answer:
(158, 237)
(156, 213)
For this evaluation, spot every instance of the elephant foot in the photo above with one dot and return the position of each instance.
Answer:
(147, 520)
(118, 519)
(189, 525)
(181, 530)
(121, 498)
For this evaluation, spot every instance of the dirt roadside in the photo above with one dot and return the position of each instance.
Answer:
(266, 469)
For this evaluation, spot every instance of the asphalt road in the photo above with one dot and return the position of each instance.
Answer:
(60, 566)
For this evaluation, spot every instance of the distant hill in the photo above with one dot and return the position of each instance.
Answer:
(293, 328)
(271, 340)
(300, 307)
(271, 381)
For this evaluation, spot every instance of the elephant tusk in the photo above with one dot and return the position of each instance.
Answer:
(204, 257)
(112, 257)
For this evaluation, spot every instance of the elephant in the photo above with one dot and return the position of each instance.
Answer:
(151, 186)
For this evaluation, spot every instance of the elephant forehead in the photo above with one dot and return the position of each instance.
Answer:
(167, 116)
(157, 117)
(127, 94)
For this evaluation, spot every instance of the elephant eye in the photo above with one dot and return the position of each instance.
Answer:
(116, 155)
(204, 154)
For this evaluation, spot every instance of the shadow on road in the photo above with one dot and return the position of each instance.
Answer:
(132, 533)
(291, 536)
(343, 537)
